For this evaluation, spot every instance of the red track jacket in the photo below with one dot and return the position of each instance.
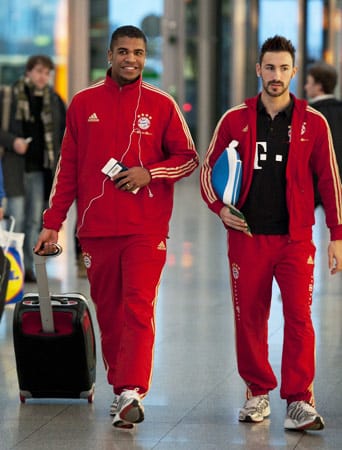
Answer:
(311, 150)
(138, 125)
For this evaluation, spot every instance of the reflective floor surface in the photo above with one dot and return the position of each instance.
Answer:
(196, 392)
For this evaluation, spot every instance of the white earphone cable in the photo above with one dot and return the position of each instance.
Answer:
(90, 203)
(121, 160)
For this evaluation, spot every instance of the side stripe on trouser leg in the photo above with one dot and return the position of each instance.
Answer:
(251, 285)
(253, 264)
(124, 274)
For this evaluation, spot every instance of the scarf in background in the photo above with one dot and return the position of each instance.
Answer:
(23, 113)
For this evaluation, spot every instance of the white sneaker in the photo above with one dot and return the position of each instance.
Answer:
(255, 409)
(129, 410)
(114, 406)
(302, 416)
(113, 410)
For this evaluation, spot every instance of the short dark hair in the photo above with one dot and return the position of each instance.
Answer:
(127, 31)
(34, 60)
(325, 74)
(277, 44)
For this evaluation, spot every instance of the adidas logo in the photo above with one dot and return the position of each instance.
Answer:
(310, 260)
(161, 246)
(93, 118)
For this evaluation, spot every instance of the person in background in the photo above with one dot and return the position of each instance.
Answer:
(2, 190)
(123, 208)
(37, 123)
(282, 142)
(18, 144)
(321, 81)
(7, 139)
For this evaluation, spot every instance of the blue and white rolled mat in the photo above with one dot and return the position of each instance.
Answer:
(227, 174)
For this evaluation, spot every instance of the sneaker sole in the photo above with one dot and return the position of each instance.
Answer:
(249, 419)
(133, 413)
(122, 425)
(316, 425)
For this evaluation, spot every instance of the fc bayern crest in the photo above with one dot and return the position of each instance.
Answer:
(235, 271)
(144, 121)
(87, 260)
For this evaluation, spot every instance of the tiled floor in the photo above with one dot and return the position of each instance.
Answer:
(196, 391)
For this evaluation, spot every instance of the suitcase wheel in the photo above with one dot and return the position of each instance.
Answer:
(22, 398)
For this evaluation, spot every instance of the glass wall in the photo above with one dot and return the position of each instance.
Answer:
(98, 38)
(176, 40)
(189, 103)
(147, 16)
(33, 27)
(307, 30)
(265, 18)
(271, 22)
(315, 30)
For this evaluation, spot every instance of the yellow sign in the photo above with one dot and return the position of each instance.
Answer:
(16, 279)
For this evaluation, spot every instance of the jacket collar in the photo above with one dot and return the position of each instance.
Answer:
(112, 84)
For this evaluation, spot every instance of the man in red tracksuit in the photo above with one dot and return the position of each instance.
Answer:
(122, 218)
(282, 143)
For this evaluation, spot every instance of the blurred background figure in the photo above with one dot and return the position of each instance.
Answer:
(37, 115)
(321, 81)
(2, 191)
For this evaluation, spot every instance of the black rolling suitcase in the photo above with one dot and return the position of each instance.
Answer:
(54, 343)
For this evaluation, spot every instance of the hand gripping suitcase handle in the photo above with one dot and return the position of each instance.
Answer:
(48, 250)
(43, 287)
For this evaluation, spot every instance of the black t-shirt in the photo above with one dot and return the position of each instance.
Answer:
(265, 207)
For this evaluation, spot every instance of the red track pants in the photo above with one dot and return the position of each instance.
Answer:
(254, 262)
(124, 274)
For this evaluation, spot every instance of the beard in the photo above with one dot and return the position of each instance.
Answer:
(276, 91)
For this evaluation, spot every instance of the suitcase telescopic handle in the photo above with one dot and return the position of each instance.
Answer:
(44, 296)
